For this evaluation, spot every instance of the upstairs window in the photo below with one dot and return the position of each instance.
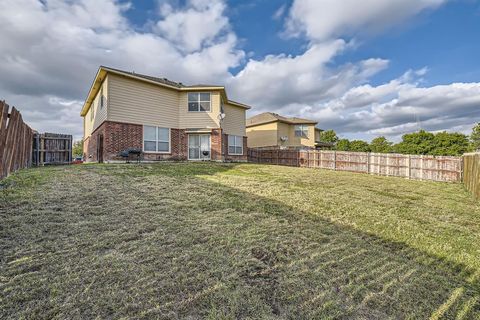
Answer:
(156, 139)
(235, 145)
(301, 130)
(199, 102)
(101, 99)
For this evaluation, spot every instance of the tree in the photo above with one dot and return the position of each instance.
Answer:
(359, 146)
(421, 142)
(381, 145)
(77, 150)
(450, 144)
(441, 144)
(343, 145)
(328, 136)
(475, 137)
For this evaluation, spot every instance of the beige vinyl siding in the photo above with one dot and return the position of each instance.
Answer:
(268, 135)
(294, 141)
(264, 135)
(137, 102)
(100, 114)
(234, 122)
(87, 125)
(199, 119)
(284, 130)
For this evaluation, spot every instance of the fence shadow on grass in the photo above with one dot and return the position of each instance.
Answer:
(163, 241)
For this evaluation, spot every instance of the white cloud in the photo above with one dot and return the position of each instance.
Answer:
(276, 82)
(50, 53)
(279, 13)
(192, 28)
(327, 19)
(399, 107)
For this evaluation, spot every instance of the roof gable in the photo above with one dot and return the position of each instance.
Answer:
(164, 82)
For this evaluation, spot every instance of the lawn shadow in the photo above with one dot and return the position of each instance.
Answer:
(162, 241)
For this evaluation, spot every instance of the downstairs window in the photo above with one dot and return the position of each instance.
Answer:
(156, 139)
(235, 145)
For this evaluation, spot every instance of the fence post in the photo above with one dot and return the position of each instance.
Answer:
(334, 160)
(461, 167)
(421, 167)
(368, 162)
(409, 164)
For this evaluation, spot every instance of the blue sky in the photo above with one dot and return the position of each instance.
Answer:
(363, 68)
(447, 40)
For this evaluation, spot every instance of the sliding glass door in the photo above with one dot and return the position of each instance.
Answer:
(199, 147)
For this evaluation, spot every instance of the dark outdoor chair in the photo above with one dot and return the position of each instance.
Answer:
(131, 154)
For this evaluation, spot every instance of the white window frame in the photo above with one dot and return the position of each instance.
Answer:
(303, 130)
(199, 101)
(209, 151)
(157, 141)
(236, 140)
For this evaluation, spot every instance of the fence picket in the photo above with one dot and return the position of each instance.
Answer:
(471, 173)
(399, 165)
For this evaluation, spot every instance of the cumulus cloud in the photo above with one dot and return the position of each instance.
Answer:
(326, 19)
(277, 82)
(192, 28)
(401, 106)
(51, 50)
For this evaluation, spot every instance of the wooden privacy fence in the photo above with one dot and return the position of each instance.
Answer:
(52, 148)
(436, 168)
(15, 141)
(471, 173)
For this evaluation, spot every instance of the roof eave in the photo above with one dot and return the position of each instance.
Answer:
(103, 71)
(93, 91)
(238, 104)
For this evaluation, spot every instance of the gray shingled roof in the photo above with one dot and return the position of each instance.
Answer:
(159, 80)
(267, 117)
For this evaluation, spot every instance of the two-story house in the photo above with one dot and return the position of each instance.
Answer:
(271, 130)
(165, 119)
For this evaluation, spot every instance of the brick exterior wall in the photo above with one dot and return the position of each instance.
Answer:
(120, 136)
(235, 158)
(216, 145)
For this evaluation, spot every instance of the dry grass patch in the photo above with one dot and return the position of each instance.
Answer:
(204, 240)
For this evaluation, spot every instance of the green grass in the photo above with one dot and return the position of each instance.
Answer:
(206, 240)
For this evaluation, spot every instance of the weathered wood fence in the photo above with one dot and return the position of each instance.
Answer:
(436, 168)
(52, 148)
(21, 147)
(471, 173)
(15, 141)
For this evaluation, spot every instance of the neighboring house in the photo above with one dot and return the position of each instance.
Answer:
(270, 130)
(165, 119)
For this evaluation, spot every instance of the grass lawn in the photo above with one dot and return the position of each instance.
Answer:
(207, 240)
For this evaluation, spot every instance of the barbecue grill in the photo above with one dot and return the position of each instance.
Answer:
(131, 154)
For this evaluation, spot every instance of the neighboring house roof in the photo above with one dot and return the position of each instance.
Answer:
(268, 117)
(164, 82)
